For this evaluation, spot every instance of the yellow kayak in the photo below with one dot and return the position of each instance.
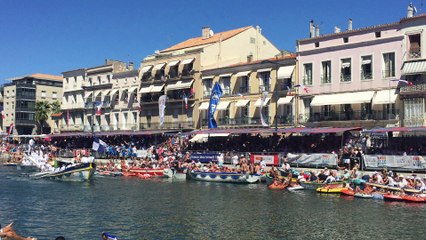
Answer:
(330, 190)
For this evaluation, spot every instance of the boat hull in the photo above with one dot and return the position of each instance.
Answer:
(81, 172)
(138, 172)
(316, 185)
(224, 177)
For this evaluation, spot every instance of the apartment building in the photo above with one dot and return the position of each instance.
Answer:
(242, 87)
(351, 76)
(20, 97)
(177, 73)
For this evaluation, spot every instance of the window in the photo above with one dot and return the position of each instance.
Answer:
(188, 69)
(244, 87)
(345, 39)
(345, 70)
(317, 44)
(326, 72)
(225, 84)
(264, 81)
(307, 74)
(252, 40)
(99, 79)
(173, 71)
(265, 112)
(43, 94)
(366, 67)
(54, 95)
(414, 46)
(207, 86)
(109, 78)
(388, 65)
(159, 74)
(378, 34)
(327, 110)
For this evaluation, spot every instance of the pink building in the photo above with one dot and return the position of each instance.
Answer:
(351, 76)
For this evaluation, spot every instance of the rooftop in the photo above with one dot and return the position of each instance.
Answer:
(39, 76)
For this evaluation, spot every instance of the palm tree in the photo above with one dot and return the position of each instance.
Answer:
(42, 110)
(55, 107)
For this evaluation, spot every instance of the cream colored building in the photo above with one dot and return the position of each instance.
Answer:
(177, 73)
(20, 97)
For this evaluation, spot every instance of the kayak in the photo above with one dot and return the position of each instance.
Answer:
(363, 195)
(330, 190)
(410, 198)
(391, 197)
(347, 192)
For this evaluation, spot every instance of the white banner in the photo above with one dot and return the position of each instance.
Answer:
(269, 159)
(161, 108)
(325, 159)
(394, 161)
(262, 103)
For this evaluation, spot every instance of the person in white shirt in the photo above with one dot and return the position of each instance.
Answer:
(220, 160)
(263, 165)
(402, 182)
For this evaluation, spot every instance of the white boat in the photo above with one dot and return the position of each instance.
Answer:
(175, 175)
(226, 177)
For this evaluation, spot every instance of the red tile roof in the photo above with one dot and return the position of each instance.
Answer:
(46, 76)
(199, 41)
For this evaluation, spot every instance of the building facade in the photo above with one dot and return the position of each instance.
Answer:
(177, 73)
(20, 97)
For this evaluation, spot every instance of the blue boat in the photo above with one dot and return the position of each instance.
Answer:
(225, 177)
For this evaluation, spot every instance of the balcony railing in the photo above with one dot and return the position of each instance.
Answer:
(366, 75)
(418, 87)
(237, 121)
(207, 92)
(345, 77)
(244, 89)
(349, 116)
(286, 119)
(264, 88)
(415, 53)
(167, 125)
(24, 122)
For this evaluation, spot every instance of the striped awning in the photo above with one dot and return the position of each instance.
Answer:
(285, 100)
(223, 105)
(243, 74)
(204, 106)
(342, 98)
(259, 102)
(285, 72)
(413, 68)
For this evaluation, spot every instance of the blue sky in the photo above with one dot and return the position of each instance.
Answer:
(52, 36)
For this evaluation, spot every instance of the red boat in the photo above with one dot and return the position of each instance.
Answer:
(144, 172)
(347, 192)
(392, 197)
(411, 198)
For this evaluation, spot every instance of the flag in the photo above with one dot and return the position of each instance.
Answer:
(161, 108)
(99, 145)
(185, 99)
(262, 103)
(11, 128)
(68, 118)
(403, 81)
(98, 108)
(306, 89)
(214, 101)
(191, 91)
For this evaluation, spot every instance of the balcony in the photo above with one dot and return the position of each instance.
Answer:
(414, 53)
(244, 121)
(187, 73)
(286, 119)
(207, 92)
(244, 89)
(167, 125)
(417, 88)
(264, 88)
(348, 116)
(72, 128)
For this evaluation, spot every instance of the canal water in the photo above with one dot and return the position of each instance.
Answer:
(161, 209)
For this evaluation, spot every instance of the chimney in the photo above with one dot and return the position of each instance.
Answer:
(410, 10)
(130, 67)
(311, 29)
(205, 32)
(317, 33)
(350, 24)
(336, 29)
(259, 30)
(250, 58)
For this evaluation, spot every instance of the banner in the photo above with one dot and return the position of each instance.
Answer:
(161, 108)
(324, 159)
(262, 103)
(214, 101)
(204, 157)
(271, 159)
(394, 161)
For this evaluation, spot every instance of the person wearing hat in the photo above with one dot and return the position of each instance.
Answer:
(346, 175)
(402, 182)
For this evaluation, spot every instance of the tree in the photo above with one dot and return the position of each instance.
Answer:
(55, 107)
(42, 111)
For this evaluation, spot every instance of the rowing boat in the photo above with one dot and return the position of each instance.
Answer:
(75, 172)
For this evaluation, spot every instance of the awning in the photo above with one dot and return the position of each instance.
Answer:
(242, 74)
(225, 75)
(342, 98)
(172, 63)
(285, 72)
(146, 89)
(159, 66)
(242, 103)
(285, 100)
(179, 85)
(88, 94)
(259, 101)
(187, 61)
(113, 92)
(366, 61)
(146, 69)
(223, 105)
(264, 70)
(346, 64)
(204, 106)
(208, 77)
(203, 137)
(385, 97)
(158, 88)
(413, 68)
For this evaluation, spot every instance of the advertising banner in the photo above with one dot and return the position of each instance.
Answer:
(204, 157)
(271, 159)
(325, 159)
(394, 161)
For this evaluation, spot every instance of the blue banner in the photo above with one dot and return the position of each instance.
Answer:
(214, 101)
(204, 157)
